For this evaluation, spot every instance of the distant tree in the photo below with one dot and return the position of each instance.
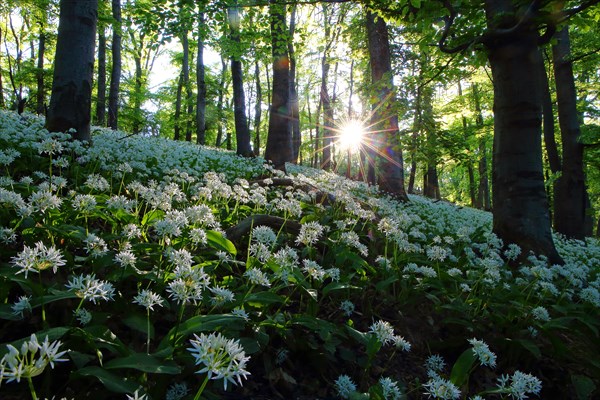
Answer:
(115, 75)
(71, 99)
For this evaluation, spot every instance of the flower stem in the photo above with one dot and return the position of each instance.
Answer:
(31, 388)
(148, 330)
(199, 392)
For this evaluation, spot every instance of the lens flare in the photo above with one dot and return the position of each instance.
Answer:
(351, 135)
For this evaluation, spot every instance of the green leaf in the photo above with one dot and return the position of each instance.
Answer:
(462, 368)
(335, 286)
(111, 381)
(217, 241)
(152, 216)
(263, 298)
(584, 386)
(416, 3)
(52, 333)
(530, 346)
(145, 363)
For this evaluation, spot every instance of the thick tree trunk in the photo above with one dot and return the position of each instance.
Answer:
(385, 119)
(101, 80)
(185, 76)
(115, 75)
(570, 194)
(201, 83)
(294, 104)
(40, 94)
(71, 100)
(242, 132)
(520, 206)
(325, 99)
(279, 141)
(548, 123)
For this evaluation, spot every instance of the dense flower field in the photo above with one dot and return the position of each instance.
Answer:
(146, 268)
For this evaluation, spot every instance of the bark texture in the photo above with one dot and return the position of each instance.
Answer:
(71, 100)
(115, 74)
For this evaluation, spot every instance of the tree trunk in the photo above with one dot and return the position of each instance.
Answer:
(483, 192)
(138, 87)
(115, 75)
(548, 123)
(326, 126)
(257, 108)
(201, 83)
(220, 102)
(40, 95)
(71, 100)
(570, 193)
(101, 81)
(177, 128)
(294, 104)
(185, 76)
(279, 140)
(470, 172)
(2, 104)
(385, 119)
(242, 132)
(520, 205)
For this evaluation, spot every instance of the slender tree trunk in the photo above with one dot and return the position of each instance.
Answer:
(115, 75)
(101, 81)
(242, 132)
(385, 119)
(220, 103)
(483, 193)
(41, 95)
(520, 205)
(137, 122)
(326, 126)
(470, 172)
(570, 194)
(201, 83)
(185, 74)
(177, 133)
(2, 104)
(294, 104)
(71, 100)
(548, 123)
(257, 108)
(279, 140)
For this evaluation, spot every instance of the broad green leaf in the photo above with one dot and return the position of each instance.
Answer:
(462, 368)
(146, 363)
(112, 382)
(217, 241)
(335, 286)
(263, 298)
(584, 386)
(530, 346)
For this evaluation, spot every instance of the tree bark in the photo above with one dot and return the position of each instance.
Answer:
(242, 132)
(570, 194)
(40, 94)
(483, 192)
(279, 140)
(327, 124)
(177, 117)
(385, 119)
(257, 108)
(220, 112)
(115, 75)
(294, 104)
(2, 104)
(201, 83)
(520, 205)
(101, 80)
(71, 100)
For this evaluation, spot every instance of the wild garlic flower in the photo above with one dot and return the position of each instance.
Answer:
(314, 270)
(257, 277)
(7, 235)
(344, 386)
(347, 307)
(220, 357)
(149, 299)
(50, 146)
(265, 235)
(310, 233)
(31, 360)
(435, 363)
(188, 285)
(221, 296)
(541, 314)
(137, 396)
(83, 316)
(390, 389)
(351, 239)
(440, 388)
(37, 259)
(519, 385)
(198, 236)
(512, 252)
(87, 287)
(177, 391)
(260, 251)
(384, 331)
(97, 182)
(44, 200)
(95, 246)
(483, 353)
(180, 258)
(131, 231)
(84, 203)
(240, 312)
(125, 258)
(401, 343)
(21, 305)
